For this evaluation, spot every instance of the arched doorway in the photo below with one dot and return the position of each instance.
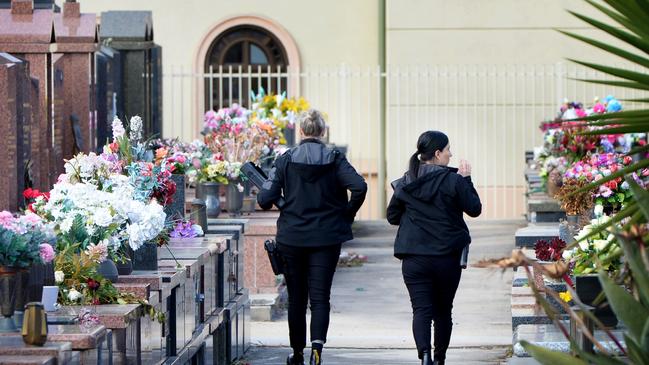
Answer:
(241, 54)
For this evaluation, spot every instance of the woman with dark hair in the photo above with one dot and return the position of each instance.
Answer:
(428, 206)
(313, 223)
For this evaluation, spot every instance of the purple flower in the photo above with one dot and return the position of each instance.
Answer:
(183, 230)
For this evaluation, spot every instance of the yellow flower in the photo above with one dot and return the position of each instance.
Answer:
(565, 296)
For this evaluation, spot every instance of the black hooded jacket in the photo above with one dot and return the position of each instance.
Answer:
(429, 211)
(314, 181)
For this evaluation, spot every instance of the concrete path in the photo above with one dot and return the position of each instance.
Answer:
(371, 313)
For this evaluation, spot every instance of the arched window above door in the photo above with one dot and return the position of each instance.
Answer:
(241, 59)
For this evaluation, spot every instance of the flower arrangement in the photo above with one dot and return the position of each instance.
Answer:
(597, 166)
(83, 213)
(25, 240)
(275, 112)
(549, 251)
(598, 251)
(174, 152)
(80, 284)
(230, 136)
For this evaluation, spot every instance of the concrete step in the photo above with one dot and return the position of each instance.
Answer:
(531, 315)
(266, 307)
(520, 280)
(527, 236)
(550, 337)
(546, 217)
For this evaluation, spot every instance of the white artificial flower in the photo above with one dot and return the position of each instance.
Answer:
(59, 276)
(240, 187)
(599, 210)
(198, 229)
(136, 128)
(66, 224)
(102, 217)
(118, 128)
(610, 237)
(135, 239)
(567, 254)
(600, 244)
(74, 295)
(584, 245)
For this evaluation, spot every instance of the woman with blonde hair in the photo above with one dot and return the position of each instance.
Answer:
(314, 221)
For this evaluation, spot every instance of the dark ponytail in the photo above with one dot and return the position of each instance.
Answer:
(428, 143)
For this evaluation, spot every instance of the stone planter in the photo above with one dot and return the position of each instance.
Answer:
(588, 288)
(176, 209)
(209, 192)
(234, 198)
(8, 299)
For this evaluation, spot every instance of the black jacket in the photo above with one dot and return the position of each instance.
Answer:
(314, 181)
(429, 212)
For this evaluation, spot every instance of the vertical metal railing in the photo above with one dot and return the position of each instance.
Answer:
(490, 112)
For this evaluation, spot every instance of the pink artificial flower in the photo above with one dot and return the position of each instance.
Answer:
(31, 219)
(599, 108)
(6, 219)
(605, 191)
(197, 163)
(47, 252)
(580, 113)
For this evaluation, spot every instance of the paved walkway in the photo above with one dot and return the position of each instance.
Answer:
(371, 314)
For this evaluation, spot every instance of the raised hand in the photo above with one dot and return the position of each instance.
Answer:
(465, 168)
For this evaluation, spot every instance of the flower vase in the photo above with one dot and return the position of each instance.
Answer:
(289, 136)
(588, 288)
(8, 300)
(209, 192)
(124, 268)
(108, 270)
(22, 296)
(234, 198)
(146, 257)
(177, 207)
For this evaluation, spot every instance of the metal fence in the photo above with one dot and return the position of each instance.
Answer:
(490, 112)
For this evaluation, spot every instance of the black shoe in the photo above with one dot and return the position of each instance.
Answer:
(438, 362)
(316, 358)
(295, 359)
(425, 359)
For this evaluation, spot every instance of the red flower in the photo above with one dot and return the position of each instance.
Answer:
(114, 147)
(95, 301)
(92, 284)
(627, 160)
(612, 185)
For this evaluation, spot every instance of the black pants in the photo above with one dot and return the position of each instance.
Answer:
(309, 273)
(432, 282)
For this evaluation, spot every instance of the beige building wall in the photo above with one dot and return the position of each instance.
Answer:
(325, 32)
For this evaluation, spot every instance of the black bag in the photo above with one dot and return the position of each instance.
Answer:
(275, 258)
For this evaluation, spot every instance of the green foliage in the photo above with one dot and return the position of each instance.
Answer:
(20, 250)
